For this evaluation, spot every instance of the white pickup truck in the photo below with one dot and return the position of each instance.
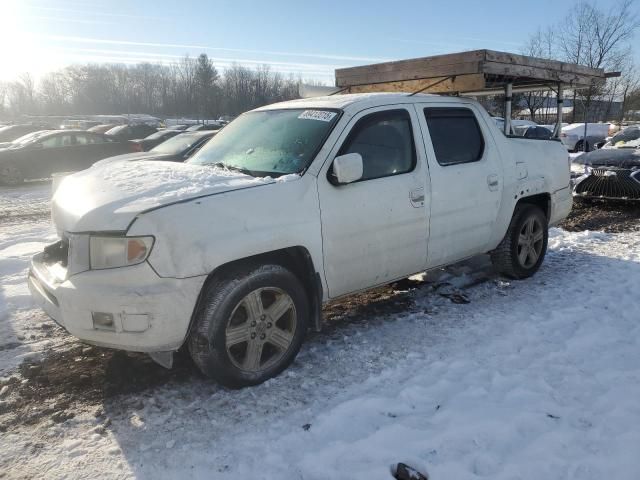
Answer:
(233, 253)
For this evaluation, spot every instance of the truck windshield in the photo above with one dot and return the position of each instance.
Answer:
(270, 142)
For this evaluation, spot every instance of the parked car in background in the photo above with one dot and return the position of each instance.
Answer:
(12, 132)
(104, 128)
(178, 127)
(43, 153)
(207, 126)
(499, 121)
(624, 138)
(156, 138)
(232, 254)
(176, 149)
(572, 136)
(609, 174)
(124, 133)
(533, 131)
(78, 124)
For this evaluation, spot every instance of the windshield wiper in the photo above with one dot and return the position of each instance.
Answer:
(219, 165)
(234, 168)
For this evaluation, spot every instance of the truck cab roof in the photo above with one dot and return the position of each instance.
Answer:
(360, 101)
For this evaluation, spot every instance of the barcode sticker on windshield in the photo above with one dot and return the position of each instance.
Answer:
(321, 115)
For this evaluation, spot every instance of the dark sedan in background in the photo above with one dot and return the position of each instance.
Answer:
(176, 149)
(40, 154)
(147, 143)
(533, 131)
(610, 174)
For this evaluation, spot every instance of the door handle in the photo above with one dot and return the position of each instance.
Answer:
(417, 197)
(493, 181)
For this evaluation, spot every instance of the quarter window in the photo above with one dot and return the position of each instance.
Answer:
(385, 142)
(455, 134)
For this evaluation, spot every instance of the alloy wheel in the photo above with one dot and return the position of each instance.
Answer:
(261, 329)
(530, 242)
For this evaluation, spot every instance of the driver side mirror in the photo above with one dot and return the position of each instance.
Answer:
(347, 168)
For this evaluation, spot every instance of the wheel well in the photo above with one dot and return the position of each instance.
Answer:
(541, 200)
(296, 259)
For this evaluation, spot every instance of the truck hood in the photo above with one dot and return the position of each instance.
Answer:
(108, 197)
(133, 156)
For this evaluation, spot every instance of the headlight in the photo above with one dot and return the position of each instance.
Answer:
(112, 252)
(577, 168)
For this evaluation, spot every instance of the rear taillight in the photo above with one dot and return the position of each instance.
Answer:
(563, 135)
(136, 147)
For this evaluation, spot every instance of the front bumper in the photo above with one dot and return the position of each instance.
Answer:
(609, 183)
(150, 313)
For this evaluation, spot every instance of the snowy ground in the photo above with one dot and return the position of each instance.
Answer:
(538, 379)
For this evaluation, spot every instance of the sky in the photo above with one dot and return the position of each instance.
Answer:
(305, 38)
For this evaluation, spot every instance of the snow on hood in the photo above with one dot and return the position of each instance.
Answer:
(132, 156)
(109, 196)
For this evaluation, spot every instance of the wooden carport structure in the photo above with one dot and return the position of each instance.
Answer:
(474, 73)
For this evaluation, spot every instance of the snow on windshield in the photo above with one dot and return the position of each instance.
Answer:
(270, 142)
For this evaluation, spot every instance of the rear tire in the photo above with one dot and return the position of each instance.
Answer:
(249, 325)
(524, 246)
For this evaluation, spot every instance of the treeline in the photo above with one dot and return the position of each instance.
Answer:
(595, 37)
(192, 86)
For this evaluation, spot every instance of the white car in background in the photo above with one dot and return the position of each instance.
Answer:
(572, 135)
(233, 253)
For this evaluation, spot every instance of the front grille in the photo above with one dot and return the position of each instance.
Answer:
(57, 252)
(610, 182)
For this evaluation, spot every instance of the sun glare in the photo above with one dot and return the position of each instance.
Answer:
(20, 51)
(11, 52)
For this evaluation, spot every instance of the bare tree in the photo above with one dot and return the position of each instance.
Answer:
(21, 95)
(630, 83)
(597, 39)
(541, 44)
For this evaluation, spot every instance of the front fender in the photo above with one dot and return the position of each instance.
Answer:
(195, 237)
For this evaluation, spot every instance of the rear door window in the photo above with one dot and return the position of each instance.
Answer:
(455, 134)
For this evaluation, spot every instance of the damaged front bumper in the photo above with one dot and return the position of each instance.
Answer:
(129, 308)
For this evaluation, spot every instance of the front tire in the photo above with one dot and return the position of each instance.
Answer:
(524, 246)
(249, 325)
(580, 146)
